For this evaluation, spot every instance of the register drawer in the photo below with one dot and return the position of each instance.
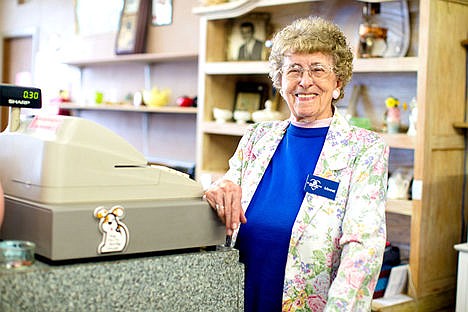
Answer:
(72, 231)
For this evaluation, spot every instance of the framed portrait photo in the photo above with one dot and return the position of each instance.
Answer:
(246, 37)
(131, 34)
(250, 96)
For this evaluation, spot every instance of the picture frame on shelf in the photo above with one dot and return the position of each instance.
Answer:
(89, 20)
(161, 12)
(131, 35)
(247, 36)
(250, 97)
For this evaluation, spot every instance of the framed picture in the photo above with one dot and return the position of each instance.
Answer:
(161, 12)
(250, 96)
(131, 35)
(89, 19)
(247, 36)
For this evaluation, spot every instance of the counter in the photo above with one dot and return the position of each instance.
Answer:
(196, 280)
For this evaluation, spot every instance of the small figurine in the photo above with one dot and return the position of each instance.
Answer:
(413, 117)
(393, 115)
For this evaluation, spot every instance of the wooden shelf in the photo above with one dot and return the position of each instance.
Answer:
(461, 125)
(147, 58)
(400, 206)
(401, 303)
(131, 108)
(388, 64)
(227, 128)
(370, 65)
(399, 140)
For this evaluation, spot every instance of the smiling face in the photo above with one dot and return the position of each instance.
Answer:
(309, 98)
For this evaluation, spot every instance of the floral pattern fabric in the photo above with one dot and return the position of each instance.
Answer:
(336, 247)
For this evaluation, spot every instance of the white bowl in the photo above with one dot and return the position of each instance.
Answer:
(221, 115)
(241, 117)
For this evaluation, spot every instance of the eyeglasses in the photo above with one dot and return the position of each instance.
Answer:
(317, 71)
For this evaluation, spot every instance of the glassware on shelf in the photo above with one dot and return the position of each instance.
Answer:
(222, 115)
(266, 114)
(372, 34)
(242, 116)
(385, 29)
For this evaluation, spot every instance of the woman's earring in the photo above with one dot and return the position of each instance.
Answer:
(336, 93)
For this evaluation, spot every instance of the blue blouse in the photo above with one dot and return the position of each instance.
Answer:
(263, 241)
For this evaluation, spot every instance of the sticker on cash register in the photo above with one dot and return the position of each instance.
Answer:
(114, 232)
(47, 124)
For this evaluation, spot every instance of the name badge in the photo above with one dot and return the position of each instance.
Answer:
(321, 187)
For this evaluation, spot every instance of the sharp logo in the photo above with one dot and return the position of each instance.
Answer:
(19, 102)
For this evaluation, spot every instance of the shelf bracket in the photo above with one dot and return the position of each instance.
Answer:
(147, 75)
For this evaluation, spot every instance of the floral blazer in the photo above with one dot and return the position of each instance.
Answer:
(336, 247)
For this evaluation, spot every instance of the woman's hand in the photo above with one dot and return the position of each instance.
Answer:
(225, 197)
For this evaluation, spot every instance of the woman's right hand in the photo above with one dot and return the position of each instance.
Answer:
(225, 197)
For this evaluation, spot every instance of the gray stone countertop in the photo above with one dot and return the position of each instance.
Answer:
(191, 281)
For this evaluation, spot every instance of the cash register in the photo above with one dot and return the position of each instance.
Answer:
(78, 190)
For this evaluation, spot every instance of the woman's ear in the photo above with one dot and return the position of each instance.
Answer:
(339, 84)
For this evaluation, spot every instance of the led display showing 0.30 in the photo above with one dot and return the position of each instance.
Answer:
(17, 96)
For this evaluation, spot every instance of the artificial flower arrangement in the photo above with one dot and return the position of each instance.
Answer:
(393, 114)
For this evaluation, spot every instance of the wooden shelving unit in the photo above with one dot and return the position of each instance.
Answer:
(431, 219)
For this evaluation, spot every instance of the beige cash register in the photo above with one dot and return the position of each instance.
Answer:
(78, 190)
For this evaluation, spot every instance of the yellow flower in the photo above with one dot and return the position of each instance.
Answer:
(391, 102)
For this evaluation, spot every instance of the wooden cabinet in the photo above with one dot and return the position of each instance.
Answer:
(432, 71)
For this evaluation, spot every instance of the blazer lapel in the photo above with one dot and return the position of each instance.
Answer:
(262, 151)
(335, 156)
(336, 149)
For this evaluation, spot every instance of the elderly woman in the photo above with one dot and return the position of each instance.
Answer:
(304, 198)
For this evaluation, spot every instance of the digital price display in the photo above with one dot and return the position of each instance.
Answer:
(23, 97)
